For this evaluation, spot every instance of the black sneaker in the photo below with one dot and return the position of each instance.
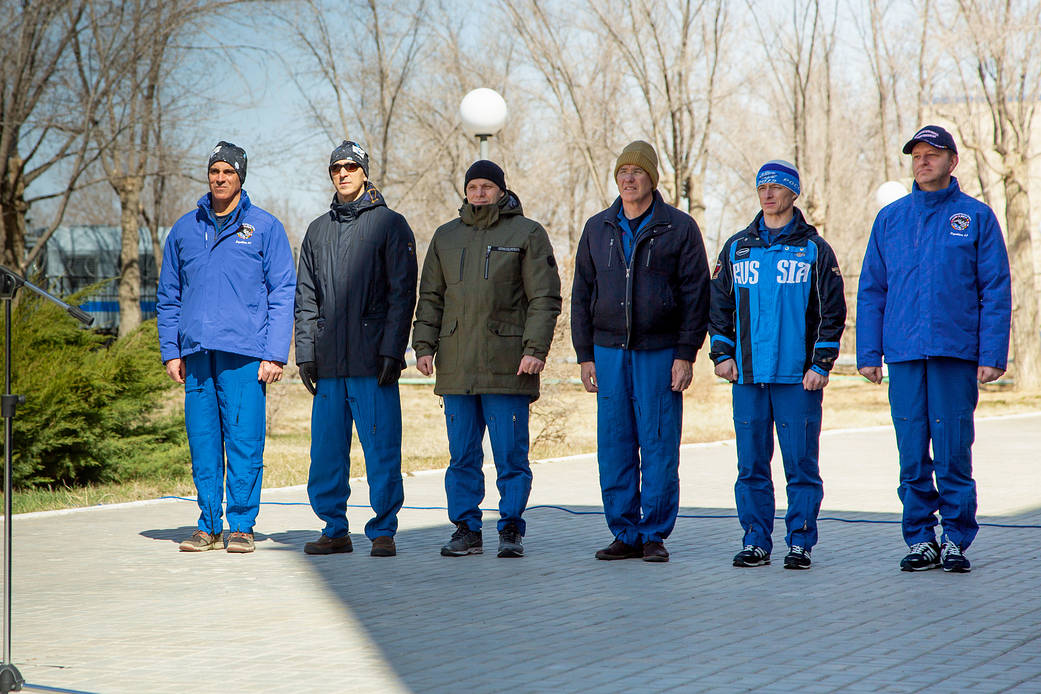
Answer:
(953, 560)
(797, 558)
(922, 557)
(752, 556)
(464, 541)
(510, 542)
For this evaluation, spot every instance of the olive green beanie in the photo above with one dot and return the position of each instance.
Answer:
(642, 154)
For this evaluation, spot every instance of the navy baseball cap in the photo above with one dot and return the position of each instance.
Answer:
(932, 135)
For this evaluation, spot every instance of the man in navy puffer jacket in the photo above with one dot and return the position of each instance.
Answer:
(935, 301)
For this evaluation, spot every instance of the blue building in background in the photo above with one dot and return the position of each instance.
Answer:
(76, 257)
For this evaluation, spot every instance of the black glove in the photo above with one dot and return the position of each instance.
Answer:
(390, 371)
(309, 375)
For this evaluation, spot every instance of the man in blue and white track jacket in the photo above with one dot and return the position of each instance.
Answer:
(776, 317)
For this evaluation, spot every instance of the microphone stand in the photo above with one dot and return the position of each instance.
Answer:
(10, 282)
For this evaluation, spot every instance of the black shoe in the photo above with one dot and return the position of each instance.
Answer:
(797, 558)
(953, 560)
(383, 546)
(619, 550)
(464, 541)
(752, 555)
(330, 545)
(922, 557)
(655, 551)
(510, 542)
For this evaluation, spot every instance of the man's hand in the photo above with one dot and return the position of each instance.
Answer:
(589, 376)
(309, 375)
(425, 365)
(269, 371)
(682, 374)
(175, 369)
(814, 381)
(987, 374)
(872, 373)
(390, 371)
(727, 370)
(530, 365)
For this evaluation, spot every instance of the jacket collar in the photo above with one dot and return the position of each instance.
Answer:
(800, 228)
(659, 213)
(345, 212)
(206, 206)
(934, 198)
(487, 216)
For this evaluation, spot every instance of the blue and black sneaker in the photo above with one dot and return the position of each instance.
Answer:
(953, 560)
(752, 556)
(797, 558)
(922, 557)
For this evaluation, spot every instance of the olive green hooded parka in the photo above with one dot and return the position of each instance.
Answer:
(488, 295)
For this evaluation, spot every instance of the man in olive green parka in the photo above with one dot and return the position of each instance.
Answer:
(489, 297)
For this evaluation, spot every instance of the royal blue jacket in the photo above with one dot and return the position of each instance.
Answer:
(935, 282)
(656, 300)
(777, 308)
(231, 291)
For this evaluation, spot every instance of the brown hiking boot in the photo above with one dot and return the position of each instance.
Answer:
(383, 546)
(330, 545)
(200, 541)
(655, 551)
(619, 550)
(241, 543)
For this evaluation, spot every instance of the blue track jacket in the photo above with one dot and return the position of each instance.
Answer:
(231, 292)
(935, 282)
(777, 309)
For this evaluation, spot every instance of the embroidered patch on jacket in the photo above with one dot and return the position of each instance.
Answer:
(742, 252)
(718, 269)
(960, 221)
(835, 269)
(246, 231)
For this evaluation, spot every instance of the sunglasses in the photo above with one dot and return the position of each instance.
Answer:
(349, 167)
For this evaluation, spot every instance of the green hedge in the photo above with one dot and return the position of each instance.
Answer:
(96, 410)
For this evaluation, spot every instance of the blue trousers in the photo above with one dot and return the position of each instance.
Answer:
(375, 411)
(796, 413)
(506, 419)
(638, 421)
(224, 414)
(933, 400)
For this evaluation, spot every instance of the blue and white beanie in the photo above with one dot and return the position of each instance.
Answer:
(780, 172)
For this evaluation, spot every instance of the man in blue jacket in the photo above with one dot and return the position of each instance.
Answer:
(354, 299)
(778, 312)
(639, 311)
(935, 302)
(225, 305)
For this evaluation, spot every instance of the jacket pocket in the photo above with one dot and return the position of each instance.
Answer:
(452, 263)
(446, 358)
(505, 347)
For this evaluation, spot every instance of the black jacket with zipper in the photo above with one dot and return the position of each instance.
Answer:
(657, 300)
(356, 288)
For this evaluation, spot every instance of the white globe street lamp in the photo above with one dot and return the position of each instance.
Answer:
(889, 192)
(483, 113)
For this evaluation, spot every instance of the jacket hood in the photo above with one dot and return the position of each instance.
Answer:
(343, 212)
(485, 216)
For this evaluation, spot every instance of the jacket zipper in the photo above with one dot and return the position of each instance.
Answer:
(610, 252)
(462, 257)
(629, 287)
(487, 260)
(650, 247)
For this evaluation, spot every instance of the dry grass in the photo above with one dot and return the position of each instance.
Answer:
(563, 423)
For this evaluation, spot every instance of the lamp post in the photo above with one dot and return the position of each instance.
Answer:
(483, 113)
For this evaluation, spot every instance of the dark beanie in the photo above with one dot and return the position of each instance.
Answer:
(351, 151)
(482, 168)
(232, 154)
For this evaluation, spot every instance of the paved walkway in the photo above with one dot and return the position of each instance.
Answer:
(103, 601)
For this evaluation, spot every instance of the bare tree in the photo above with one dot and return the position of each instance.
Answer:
(1004, 67)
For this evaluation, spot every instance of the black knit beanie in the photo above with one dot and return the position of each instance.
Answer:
(232, 154)
(482, 168)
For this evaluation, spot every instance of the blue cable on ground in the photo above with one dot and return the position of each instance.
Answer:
(44, 688)
(600, 513)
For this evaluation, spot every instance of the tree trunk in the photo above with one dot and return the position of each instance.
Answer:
(12, 215)
(129, 257)
(1026, 341)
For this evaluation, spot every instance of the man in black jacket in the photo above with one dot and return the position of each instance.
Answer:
(639, 313)
(355, 292)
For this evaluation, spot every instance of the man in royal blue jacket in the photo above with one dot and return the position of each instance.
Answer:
(778, 312)
(225, 305)
(639, 311)
(935, 302)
